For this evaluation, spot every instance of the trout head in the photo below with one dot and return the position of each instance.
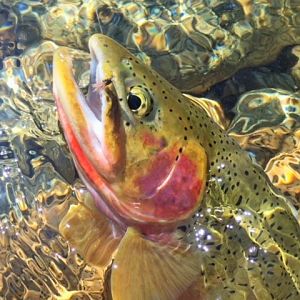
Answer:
(131, 138)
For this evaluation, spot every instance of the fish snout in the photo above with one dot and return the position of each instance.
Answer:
(93, 124)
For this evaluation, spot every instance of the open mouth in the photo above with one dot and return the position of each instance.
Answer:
(97, 88)
(92, 126)
(95, 120)
(95, 132)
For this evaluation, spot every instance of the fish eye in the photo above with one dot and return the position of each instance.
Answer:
(134, 102)
(139, 101)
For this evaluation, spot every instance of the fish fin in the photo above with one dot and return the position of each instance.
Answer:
(147, 270)
(90, 233)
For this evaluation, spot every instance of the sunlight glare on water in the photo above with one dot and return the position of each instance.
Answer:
(239, 54)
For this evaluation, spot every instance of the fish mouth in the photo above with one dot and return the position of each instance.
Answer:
(93, 122)
(95, 133)
(94, 129)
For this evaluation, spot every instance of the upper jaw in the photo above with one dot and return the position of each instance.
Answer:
(100, 71)
(96, 121)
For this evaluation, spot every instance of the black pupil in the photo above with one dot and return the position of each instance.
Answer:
(134, 102)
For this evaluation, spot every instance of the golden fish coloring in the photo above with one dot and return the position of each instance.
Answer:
(191, 205)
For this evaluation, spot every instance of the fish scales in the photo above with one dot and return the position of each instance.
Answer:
(236, 188)
(193, 44)
(180, 180)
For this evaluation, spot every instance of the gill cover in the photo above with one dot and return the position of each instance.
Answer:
(142, 178)
(148, 181)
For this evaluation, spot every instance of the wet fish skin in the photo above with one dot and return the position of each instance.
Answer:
(237, 193)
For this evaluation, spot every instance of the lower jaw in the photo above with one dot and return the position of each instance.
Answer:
(108, 203)
(100, 202)
(146, 228)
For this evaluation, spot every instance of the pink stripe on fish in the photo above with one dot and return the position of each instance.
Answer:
(171, 188)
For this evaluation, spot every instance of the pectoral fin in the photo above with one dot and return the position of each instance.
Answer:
(146, 270)
(90, 233)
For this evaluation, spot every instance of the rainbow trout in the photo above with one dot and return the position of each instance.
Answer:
(189, 203)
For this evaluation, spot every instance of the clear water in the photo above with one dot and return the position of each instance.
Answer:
(38, 180)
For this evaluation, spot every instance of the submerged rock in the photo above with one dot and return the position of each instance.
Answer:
(194, 44)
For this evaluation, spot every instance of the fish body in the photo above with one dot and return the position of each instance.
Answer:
(191, 201)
